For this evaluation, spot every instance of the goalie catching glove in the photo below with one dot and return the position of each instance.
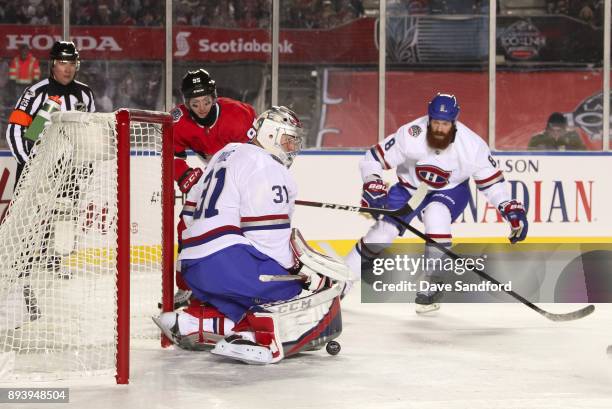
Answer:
(514, 213)
(374, 192)
(189, 178)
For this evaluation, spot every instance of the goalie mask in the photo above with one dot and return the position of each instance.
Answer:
(279, 131)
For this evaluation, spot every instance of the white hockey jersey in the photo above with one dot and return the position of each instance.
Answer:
(415, 162)
(244, 197)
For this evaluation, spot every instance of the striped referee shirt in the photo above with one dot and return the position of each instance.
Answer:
(75, 96)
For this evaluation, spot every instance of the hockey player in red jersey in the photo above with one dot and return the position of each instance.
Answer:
(204, 123)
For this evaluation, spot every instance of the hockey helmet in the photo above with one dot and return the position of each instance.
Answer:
(64, 51)
(443, 107)
(279, 131)
(198, 83)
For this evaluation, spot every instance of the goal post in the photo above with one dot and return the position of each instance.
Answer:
(87, 246)
(124, 118)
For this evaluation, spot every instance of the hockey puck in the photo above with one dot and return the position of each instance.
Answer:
(333, 348)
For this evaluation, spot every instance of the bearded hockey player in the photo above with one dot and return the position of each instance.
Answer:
(443, 153)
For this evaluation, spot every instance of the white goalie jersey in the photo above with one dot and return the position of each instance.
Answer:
(415, 162)
(244, 197)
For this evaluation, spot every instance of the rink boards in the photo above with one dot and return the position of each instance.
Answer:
(566, 195)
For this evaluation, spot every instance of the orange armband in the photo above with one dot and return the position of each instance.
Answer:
(19, 117)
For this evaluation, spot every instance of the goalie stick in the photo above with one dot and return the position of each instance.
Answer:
(569, 316)
(280, 277)
(412, 204)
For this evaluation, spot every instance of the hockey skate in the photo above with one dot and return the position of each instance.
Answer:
(239, 347)
(427, 301)
(200, 332)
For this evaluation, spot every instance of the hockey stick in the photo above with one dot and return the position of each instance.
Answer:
(570, 316)
(280, 277)
(412, 204)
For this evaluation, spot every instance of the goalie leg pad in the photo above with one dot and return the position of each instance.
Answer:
(285, 328)
(229, 280)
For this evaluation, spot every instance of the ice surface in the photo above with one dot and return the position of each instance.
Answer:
(466, 356)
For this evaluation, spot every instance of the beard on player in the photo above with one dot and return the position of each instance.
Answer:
(440, 140)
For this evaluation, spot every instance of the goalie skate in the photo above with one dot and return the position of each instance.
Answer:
(238, 347)
(191, 342)
(197, 328)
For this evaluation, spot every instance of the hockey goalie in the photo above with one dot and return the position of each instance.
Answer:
(259, 292)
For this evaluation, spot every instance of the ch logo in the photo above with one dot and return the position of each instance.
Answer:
(443, 108)
(433, 176)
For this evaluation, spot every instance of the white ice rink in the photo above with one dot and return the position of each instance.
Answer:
(467, 356)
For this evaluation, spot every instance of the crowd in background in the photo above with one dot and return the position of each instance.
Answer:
(138, 84)
(248, 14)
(212, 13)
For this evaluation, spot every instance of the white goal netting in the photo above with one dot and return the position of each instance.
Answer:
(58, 247)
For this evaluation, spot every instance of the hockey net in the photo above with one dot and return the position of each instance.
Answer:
(84, 244)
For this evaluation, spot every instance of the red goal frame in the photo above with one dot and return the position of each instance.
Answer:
(124, 117)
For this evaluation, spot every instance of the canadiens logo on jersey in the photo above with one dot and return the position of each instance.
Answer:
(414, 130)
(433, 175)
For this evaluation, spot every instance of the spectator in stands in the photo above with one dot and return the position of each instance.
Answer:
(148, 19)
(125, 19)
(24, 70)
(558, 7)
(102, 16)
(329, 17)
(345, 12)
(247, 17)
(84, 12)
(40, 16)
(199, 16)
(557, 136)
(589, 11)
(53, 10)
(223, 15)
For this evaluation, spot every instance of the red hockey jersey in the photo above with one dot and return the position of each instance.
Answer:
(234, 119)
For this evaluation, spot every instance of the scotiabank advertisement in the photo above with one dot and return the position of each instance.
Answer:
(201, 43)
(411, 39)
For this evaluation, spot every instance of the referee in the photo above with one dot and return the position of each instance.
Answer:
(74, 95)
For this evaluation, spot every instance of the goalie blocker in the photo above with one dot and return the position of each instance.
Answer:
(269, 332)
